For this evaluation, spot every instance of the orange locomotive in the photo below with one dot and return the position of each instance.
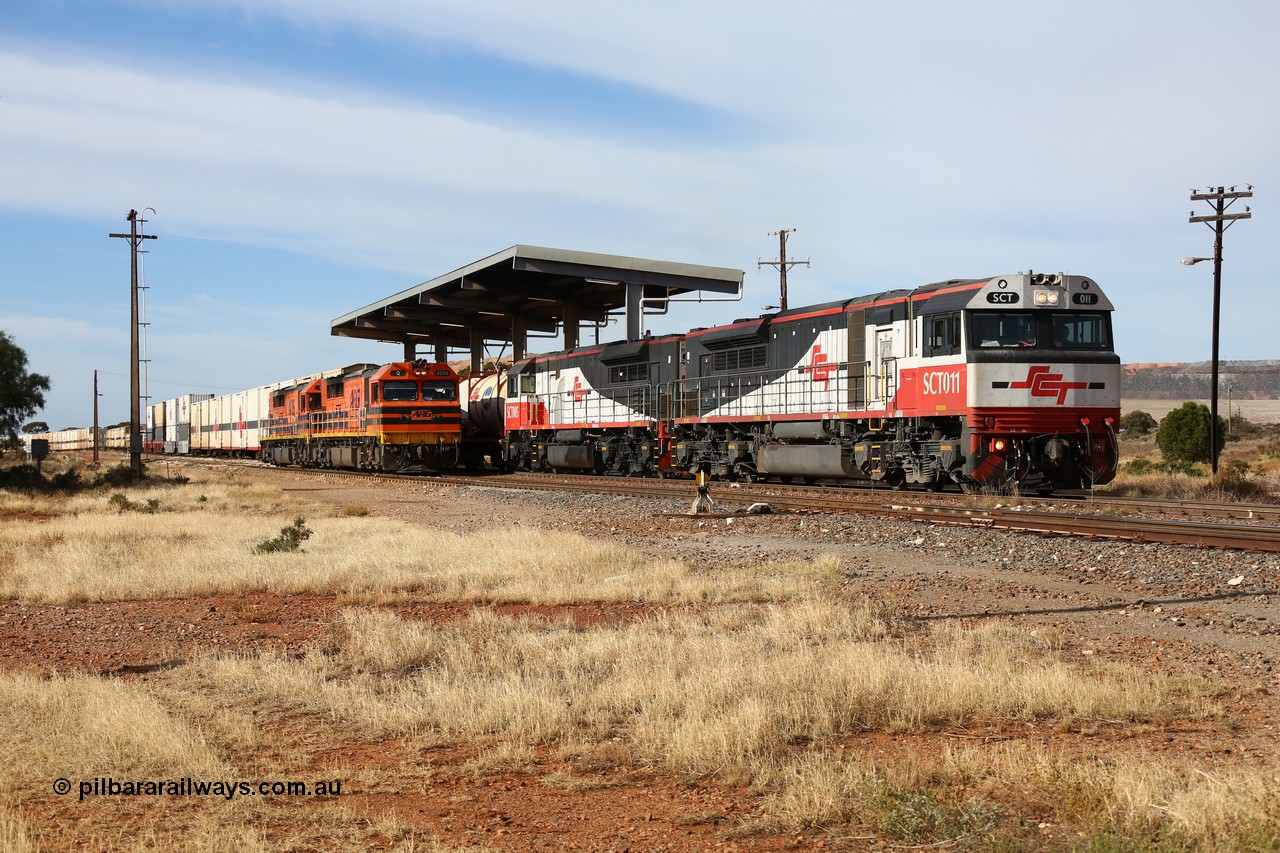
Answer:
(398, 417)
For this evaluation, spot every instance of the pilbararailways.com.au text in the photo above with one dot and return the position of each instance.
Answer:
(229, 789)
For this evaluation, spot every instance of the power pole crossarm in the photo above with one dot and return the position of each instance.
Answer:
(782, 264)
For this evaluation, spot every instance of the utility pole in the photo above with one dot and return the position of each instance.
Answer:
(135, 432)
(1219, 221)
(96, 395)
(782, 264)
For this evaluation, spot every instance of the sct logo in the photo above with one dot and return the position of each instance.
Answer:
(820, 366)
(941, 382)
(1045, 384)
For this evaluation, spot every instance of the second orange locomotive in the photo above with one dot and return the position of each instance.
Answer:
(403, 416)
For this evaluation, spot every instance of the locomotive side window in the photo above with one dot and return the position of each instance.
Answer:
(436, 391)
(1000, 329)
(399, 391)
(373, 393)
(942, 334)
(1081, 331)
(625, 374)
(528, 383)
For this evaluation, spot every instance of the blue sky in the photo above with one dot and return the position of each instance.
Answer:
(308, 157)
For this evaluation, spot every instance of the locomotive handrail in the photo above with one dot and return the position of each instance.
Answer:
(768, 393)
(758, 394)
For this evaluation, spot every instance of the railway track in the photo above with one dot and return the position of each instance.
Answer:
(1248, 527)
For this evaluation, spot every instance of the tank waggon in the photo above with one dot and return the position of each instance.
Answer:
(482, 420)
(597, 409)
(403, 417)
(1010, 381)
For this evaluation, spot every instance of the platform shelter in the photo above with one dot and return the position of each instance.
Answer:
(530, 291)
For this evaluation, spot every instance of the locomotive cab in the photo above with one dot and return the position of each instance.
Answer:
(1044, 384)
(404, 416)
(413, 417)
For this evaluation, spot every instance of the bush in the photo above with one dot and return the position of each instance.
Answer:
(1184, 434)
(121, 503)
(1143, 467)
(290, 539)
(1138, 423)
(67, 481)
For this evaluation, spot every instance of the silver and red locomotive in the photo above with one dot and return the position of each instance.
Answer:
(1009, 381)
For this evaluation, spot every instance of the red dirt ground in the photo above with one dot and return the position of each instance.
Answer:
(606, 806)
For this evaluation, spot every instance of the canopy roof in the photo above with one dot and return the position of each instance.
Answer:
(529, 289)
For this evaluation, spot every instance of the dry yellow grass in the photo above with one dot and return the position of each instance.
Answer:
(733, 689)
(93, 552)
(1125, 796)
(729, 691)
(82, 724)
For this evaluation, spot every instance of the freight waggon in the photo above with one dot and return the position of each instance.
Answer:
(1008, 381)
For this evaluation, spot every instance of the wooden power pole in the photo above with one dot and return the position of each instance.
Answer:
(1218, 221)
(782, 264)
(135, 385)
(96, 434)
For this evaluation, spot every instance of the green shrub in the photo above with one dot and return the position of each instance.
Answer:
(290, 539)
(1138, 423)
(1143, 466)
(68, 481)
(1184, 434)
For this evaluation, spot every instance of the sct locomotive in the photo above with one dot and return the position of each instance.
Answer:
(985, 383)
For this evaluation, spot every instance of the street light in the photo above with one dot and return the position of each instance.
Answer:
(1219, 221)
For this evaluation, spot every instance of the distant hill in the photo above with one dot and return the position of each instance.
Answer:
(1248, 380)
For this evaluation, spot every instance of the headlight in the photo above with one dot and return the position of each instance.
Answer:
(1046, 297)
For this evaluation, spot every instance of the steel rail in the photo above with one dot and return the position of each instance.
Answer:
(1174, 506)
(1206, 534)
(1163, 531)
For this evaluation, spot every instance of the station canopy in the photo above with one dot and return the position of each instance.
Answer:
(529, 290)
